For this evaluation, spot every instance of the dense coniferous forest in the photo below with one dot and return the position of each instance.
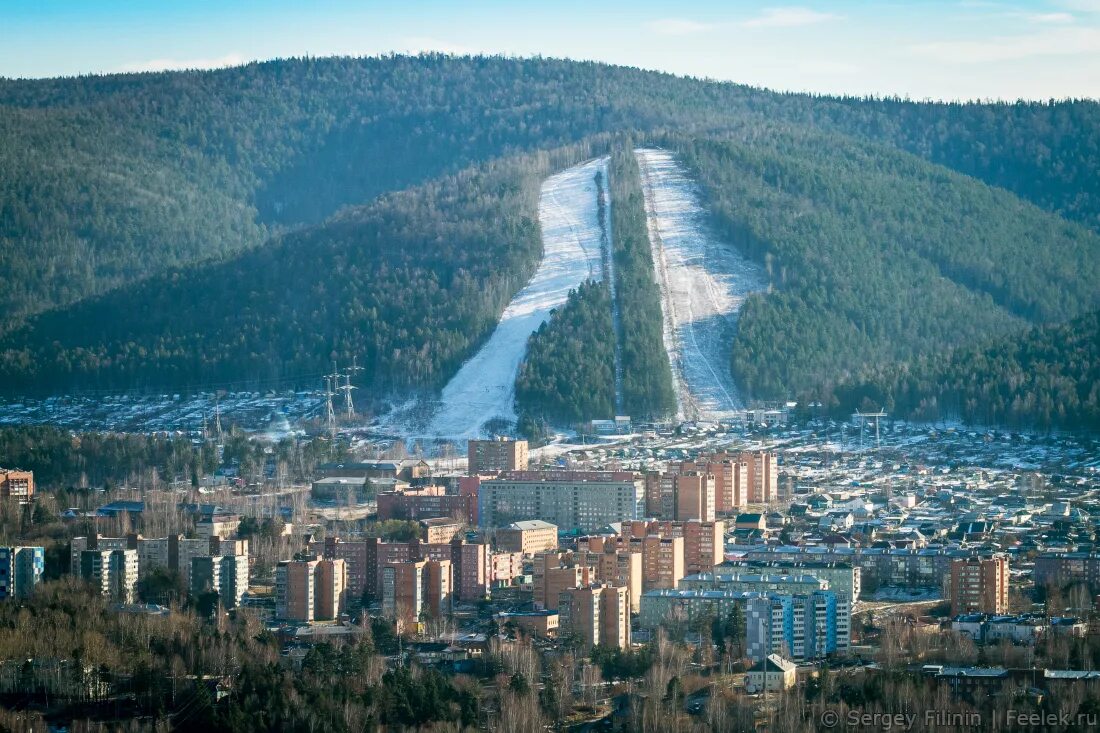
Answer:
(647, 377)
(1049, 377)
(568, 374)
(184, 228)
(411, 284)
(876, 256)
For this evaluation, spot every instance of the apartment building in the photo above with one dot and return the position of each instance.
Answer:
(554, 572)
(731, 480)
(223, 526)
(428, 502)
(471, 563)
(704, 542)
(695, 496)
(310, 590)
(493, 456)
(16, 485)
(979, 585)
(226, 575)
(599, 614)
(803, 626)
(439, 530)
(614, 563)
(842, 577)
(528, 537)
(21, 571)
(662, 561)
(415, 588)
(762, 475)
(754, 583)
(114, 573)
(573, 500)
(1060, 569)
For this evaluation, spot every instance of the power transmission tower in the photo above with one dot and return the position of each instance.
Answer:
(330, 415)
(347, 388)
(862, 417)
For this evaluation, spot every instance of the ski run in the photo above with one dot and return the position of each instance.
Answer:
(484, 389)
(703, 283)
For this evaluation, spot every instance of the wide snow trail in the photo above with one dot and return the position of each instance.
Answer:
(703, 283)
(485, 387)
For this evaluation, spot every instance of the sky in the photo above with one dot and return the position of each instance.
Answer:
(932, 49)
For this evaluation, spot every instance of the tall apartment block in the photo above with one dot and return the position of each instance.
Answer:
(410, 589)
(226, 575)
(16, 485)
(695, 490)
(662, 561)
(801, 627)
(492, 456)
(599, 614)
(114, 573)
(703, 546)
(554, 572)
(21, 570)
(763, 476)
(615, 563)
(979, 585)
(310, 590)
(471, 563)
(584, 500)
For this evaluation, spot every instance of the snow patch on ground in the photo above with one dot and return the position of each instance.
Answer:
(484, 388)
(703, 284)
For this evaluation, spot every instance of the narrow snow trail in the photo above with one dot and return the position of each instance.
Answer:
(484, 388)
(703, 283)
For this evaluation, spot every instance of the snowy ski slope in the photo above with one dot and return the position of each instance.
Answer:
(703, 284)
(484, 388)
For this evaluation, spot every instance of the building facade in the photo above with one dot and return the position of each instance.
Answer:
(528, 537)
(573, 500)
(21, 571)
(979, 585)
(16, 485)
(493, 456)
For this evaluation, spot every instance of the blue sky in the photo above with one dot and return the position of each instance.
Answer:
(940, 49)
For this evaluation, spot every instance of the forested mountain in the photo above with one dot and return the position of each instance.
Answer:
(185, 228)
(1045, 378)
(877, 256)
(410, 284)
(109, 179)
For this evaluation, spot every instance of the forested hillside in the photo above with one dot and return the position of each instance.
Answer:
(1049, 377)
(410, 284)
(181, 228)
(110, 179)
(568, 374)
(878, 256)
(647, 377)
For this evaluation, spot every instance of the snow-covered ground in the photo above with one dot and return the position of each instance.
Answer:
(484, 388)
(703, 284)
